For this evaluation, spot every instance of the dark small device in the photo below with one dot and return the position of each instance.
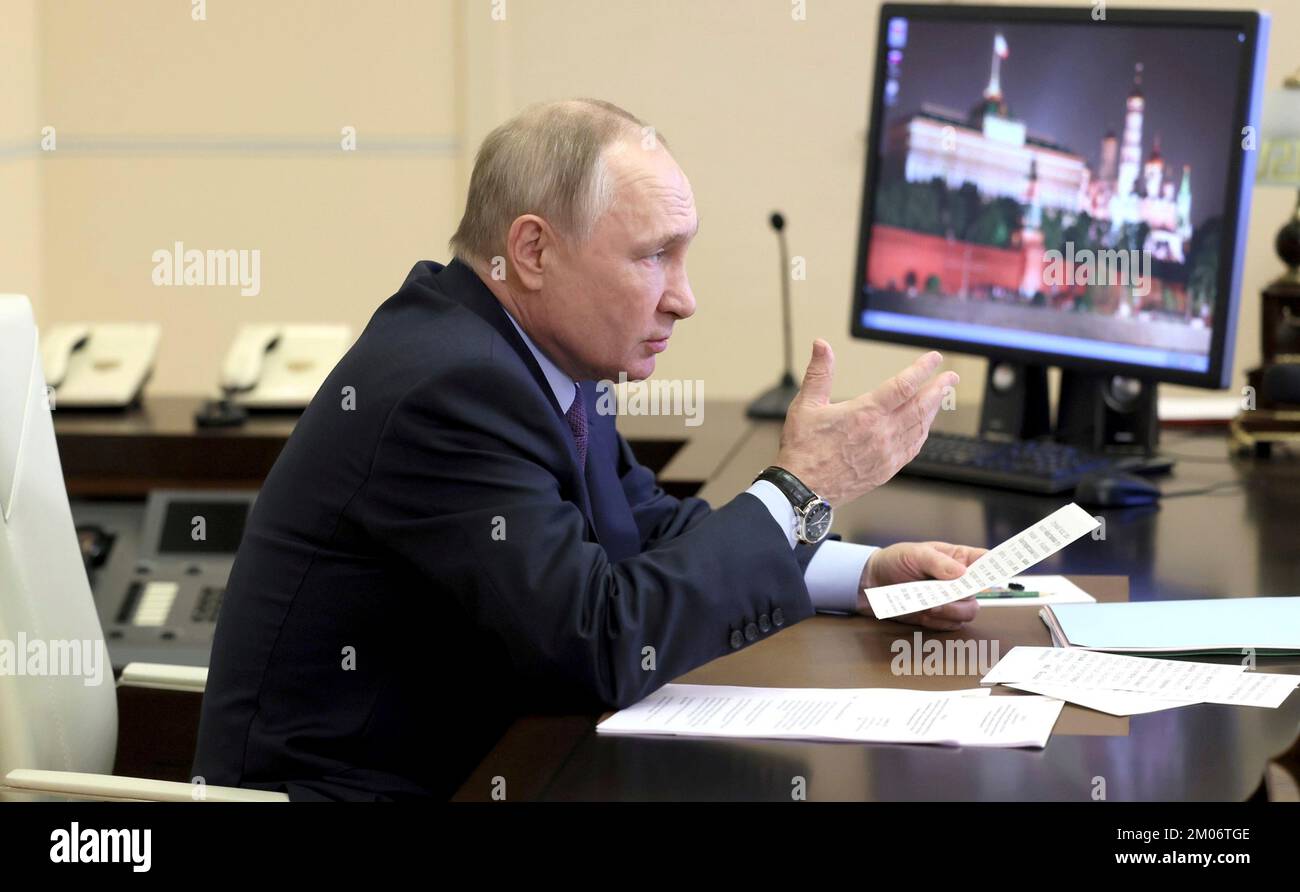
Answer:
(96, 543)
(1116, 491)
(220, 413)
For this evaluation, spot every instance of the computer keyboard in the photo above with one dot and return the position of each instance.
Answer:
(1038, 466)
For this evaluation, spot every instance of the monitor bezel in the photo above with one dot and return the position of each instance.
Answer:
(1236, 212)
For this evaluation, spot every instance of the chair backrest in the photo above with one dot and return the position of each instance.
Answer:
(54, 712)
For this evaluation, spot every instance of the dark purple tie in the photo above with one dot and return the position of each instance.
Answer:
(577, 418)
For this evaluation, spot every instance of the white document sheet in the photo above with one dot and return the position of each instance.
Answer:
(1111, 702)
(1079, 670)
(997, 567)
(872, 715)
(1266, 689)
(1170, 679)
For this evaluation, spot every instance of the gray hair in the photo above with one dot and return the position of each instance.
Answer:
(550, 161)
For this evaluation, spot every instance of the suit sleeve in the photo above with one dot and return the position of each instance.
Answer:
(660, 517)
(463, 491)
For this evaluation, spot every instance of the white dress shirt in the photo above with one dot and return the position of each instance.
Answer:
(833, 576)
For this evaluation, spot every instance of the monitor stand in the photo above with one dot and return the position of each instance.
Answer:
(1103, 413)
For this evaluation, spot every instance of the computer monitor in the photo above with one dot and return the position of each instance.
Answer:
(1063, 187)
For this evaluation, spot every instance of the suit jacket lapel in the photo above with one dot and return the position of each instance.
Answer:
(461, 283)
(611, 513)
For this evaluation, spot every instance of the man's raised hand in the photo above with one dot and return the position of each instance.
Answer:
(844, 450)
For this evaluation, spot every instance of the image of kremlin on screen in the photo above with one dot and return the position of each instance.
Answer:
(980, 217)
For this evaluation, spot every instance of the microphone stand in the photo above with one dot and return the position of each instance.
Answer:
(774, 403)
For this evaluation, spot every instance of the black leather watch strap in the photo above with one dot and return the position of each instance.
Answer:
(790, 485)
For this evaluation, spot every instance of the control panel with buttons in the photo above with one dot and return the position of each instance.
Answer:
(159, 570)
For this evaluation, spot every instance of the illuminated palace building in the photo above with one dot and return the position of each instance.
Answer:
(996, 153)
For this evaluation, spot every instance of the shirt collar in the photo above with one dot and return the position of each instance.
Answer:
(561, 384)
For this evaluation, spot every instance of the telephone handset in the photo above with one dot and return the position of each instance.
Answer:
(275, 367)
(244, 362)
(57, 349)
(281, 366)
(99, 365)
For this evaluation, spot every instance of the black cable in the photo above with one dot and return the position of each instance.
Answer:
(1221, 486)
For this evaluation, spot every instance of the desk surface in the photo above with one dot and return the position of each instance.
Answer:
(158, 445)
(1237, 542)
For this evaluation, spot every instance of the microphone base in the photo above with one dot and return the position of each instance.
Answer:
(772, 405)
(220, 413)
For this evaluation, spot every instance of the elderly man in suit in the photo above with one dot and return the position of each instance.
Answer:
(454, 535)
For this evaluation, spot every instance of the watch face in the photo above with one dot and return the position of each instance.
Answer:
(817, 522)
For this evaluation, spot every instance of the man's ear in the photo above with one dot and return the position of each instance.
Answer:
(527, 243)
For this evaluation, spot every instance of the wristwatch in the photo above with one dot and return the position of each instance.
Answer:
(813, 514)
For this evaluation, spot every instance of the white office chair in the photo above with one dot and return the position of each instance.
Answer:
(58, 734)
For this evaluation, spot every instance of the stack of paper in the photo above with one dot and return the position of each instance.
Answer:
(874, 715)
(1125, 685)
(1264, 626)
(995, 568)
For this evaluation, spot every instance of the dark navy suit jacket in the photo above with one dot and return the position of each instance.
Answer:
(426, 562)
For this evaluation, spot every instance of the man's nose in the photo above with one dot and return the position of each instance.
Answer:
(679, 300)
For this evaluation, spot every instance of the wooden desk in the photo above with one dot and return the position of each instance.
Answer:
(158, 446)
(1235, 543)
(852, 652)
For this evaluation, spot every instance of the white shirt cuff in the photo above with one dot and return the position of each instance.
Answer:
(780, 507)
(834, 574)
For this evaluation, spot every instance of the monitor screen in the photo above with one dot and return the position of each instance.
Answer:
(1045, 186)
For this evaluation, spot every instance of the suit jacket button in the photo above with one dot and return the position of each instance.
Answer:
(736, 639)
(778, 617)
(751, 632)
(764, 623)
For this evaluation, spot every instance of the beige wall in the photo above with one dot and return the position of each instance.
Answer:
(764, 112)
(226, 133)
(20, 205)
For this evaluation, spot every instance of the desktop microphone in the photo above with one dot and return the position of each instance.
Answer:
(774, 403)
